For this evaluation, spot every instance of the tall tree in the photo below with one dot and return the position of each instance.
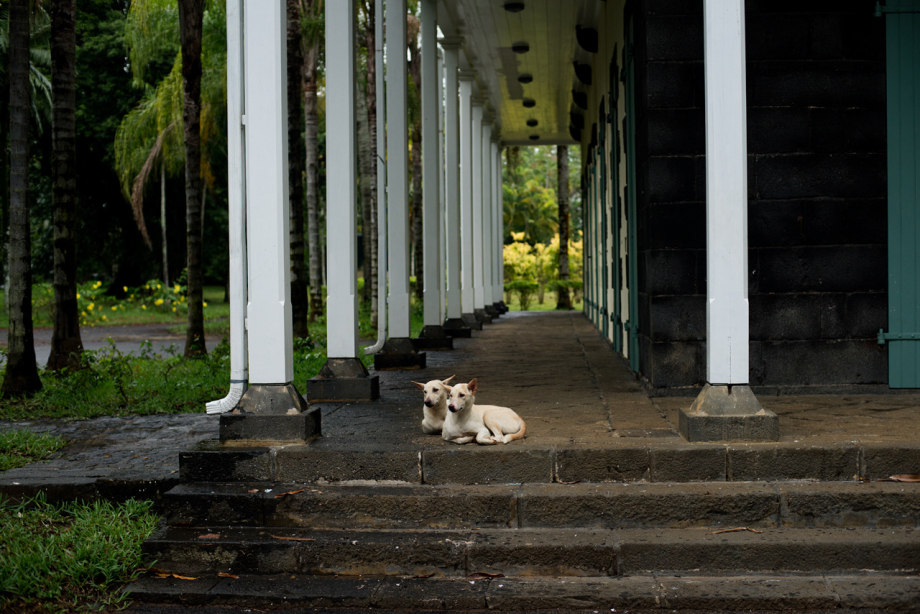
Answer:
(66, 345)
(312, 14)
(21, 377)
(296, 167)
(371, 203)
(415, 134)
(191, 16)
(564, 300)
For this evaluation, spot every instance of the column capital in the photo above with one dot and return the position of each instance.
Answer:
(450, 42)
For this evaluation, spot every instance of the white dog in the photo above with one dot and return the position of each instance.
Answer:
(435, 408)
(487, 424)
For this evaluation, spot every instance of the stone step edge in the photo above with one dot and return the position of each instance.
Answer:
(652, 593)
(513, 464)
(562, 552)
(604, 505)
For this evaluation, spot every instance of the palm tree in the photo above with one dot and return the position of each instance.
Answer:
(312, 17)
(66, 345)
(21, 376)
(564, 300)
(191, 18)
(296, 166)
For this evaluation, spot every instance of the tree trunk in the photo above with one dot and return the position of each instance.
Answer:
(163, 223)
(367, 178)
(564, 300)
(66, 345)
(191, 13)
(21, 377)
(300, 308)
(415, 70)
(311, 138)
(371, 231)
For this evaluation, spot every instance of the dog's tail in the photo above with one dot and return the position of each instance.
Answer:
(519, 435)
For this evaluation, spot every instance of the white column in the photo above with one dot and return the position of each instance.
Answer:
(477, 192)
(397, 170)
(452, 172)
(726, 193)
(442, 195)
(269, 308)
(341, 291)
(499, 242)
(488, 194)
(467, 298)
(431, 166)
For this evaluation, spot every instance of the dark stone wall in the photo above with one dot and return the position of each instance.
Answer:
(817, 193)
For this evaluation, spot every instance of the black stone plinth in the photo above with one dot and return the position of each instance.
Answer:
(482, 316)
(433, 337)
(470, 319)
(455, 327)
(491, 311)
(501, 306)
(270, 412)
(399, 353)
(343, 379)
(728, 413)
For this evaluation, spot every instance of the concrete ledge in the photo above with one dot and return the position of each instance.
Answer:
(474, 464)
(433, 337)
(455, 327)
(727, 413)
(399, 353)
(270, 412)
(343, 379)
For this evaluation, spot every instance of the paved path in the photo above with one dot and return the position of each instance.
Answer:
(554, 368)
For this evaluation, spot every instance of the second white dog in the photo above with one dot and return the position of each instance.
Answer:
(435, 404)
(487, 424)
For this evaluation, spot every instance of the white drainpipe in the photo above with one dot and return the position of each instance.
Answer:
(381, 184)
(239, 359)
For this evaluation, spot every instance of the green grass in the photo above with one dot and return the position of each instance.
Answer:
(21, 447)
(71, 557)
(549, 302)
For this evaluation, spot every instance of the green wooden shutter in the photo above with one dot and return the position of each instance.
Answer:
(902, 23)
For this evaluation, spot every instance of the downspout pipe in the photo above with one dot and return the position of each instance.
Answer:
(239, 359)
(379, 84)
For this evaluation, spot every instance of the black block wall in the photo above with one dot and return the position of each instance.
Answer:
(817, 193)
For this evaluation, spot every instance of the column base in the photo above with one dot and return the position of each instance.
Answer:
(482, 316)
(433, 337)
(270, 412)
(399, 353)
(727, 413)
(455, 327)
(469, 319)
(491, 311)
(343, 379)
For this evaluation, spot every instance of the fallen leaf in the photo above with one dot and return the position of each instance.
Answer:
(480, 575)
(736, 529)
(424, 576)
(293, 539)
(224, 574)
(209, 536)
(902, 477)
(162, 573)
(252, 490)
(290, 492)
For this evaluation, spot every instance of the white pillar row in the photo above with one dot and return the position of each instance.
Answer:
(467, 298)
(477, 205)
(341, 264)
(488, 218)
(442, 189)
(269, 308)
(431, 167)
(726, 194)
(452, 176)
(397, 170)
(726, 408)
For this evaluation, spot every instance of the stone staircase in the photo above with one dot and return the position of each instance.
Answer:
(359, 530)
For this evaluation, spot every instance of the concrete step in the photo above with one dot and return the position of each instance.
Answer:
(603, 506)
(526, 552)
(840, 594)
(439, 462)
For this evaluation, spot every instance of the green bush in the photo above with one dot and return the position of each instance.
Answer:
(525, 289)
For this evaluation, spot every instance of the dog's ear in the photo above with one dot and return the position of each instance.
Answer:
(472, 385)
(420, 385)
(447, 381)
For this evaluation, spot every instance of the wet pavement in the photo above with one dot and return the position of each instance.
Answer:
(552, 367)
